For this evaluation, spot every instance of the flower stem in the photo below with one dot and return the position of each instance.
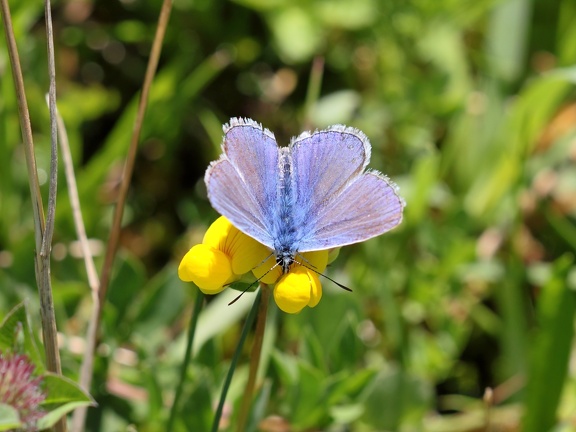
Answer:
(254, 358)
(228, 380)
(187, 356)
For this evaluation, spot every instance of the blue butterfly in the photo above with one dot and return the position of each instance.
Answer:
(315, 194)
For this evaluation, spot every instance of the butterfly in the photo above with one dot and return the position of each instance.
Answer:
(314, 194)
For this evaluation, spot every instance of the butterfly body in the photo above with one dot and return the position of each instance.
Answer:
(314, 194)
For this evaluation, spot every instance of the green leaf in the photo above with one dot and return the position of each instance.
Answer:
(57, 413)
(16, 330)
(506, 38)
(345, 414)
(218, 316)
(63, 390)
(308, 405)
(128, 280)
(164, 302)
(337, 107)
(394, 397)
(286, 368)
(63, 396)
(296, 46)
(550, 352)
(197, 413)
(260, 406)
(311, 349)
(9, 418)
(346, 347)
(347, 14)
(424, 179)
(346, 387)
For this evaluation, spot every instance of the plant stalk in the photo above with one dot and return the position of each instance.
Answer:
(255, 356)
(234, 363)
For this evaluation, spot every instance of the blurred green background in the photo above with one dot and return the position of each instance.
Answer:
(470, 107)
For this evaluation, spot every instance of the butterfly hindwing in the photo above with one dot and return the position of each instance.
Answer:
(367, 207)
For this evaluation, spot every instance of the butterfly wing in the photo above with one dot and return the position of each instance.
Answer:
(243, 184)
(340, 203)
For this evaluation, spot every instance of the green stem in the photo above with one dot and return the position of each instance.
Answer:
(187, 356)
(228, 380)
(254, 359)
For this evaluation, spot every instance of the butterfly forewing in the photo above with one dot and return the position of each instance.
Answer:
(324, 163)
(243, 184)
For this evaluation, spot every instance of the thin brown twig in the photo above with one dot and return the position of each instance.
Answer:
(129, 166)
(99, 293)
(254, 359)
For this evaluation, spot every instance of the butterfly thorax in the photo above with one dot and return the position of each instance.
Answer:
(285, 248)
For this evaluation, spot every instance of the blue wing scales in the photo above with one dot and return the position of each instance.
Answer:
(243, 184)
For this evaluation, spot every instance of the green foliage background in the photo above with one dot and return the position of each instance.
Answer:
(470, 108)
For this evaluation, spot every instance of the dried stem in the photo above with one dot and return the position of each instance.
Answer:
(100, 290)
(129, 166)
(46, 301)
(42, 233)
(47, 238)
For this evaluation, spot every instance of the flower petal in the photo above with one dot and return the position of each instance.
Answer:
(317, 260)
(315, 289)
(268, 268)
(297, 289)
(207, 267)
(218, 232)
(245, 252)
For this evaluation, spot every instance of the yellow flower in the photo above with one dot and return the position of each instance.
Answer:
(226, 254)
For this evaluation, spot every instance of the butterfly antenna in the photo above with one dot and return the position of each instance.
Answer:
(311, 267)
(255, 282)
(243, 292)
